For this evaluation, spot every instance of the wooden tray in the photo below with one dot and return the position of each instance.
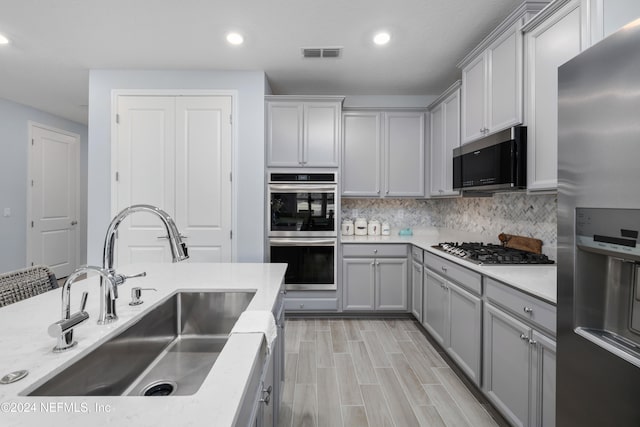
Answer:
(528, 244)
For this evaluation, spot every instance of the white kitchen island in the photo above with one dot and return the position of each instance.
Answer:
(25, 344)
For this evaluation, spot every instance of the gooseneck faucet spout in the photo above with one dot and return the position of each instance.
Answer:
(178, 252)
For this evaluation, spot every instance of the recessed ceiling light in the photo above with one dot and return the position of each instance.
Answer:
(3, 39)
(235, 38)
(381, 38)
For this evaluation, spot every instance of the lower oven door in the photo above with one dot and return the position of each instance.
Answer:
(312, 262)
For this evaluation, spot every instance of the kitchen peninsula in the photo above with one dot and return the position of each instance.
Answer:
(219, 401)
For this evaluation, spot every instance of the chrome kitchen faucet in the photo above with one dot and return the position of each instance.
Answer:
(109, 294)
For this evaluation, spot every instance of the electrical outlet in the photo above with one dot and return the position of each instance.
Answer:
(7, 212)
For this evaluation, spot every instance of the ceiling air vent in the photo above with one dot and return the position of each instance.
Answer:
(321, 52)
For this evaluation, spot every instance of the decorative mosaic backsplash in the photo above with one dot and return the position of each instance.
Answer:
(521, 214)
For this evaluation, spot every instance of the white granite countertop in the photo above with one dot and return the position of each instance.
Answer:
(537, 280)
(25, 344)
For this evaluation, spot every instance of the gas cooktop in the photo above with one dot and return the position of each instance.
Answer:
(483, 253)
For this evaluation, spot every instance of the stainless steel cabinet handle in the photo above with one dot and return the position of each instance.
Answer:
(533, 342)
(524, 337)
(528, 310)
(444, 268)
(74, 222)
(266, 399)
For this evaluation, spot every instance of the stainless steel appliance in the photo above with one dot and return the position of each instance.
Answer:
(302, 228)
(598, 353)
(312, 262)
(497, 162)
(302, 204)
(487, 253)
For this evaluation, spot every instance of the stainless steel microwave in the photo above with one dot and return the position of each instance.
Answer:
(497, 162)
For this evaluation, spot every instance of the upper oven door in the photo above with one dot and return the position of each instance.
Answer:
(302, 210)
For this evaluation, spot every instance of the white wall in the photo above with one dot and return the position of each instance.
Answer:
(14, 139)
(249, 150)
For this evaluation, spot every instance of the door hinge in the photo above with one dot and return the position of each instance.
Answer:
(118, 118)
(117, 176)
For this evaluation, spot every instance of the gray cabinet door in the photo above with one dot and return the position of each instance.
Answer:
(543, 386)
(361, 163)
(321, 134)
(391, 284)
(465, 333)
(284, 134)
(266, 415)
(416, 290)
(358, 284)
(435, 306)
(404, 154)
(507, 361)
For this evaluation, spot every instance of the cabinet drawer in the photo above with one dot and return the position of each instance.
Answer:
(368, 250)
(416, 254)
(539, 313)
(311, 304)
(470, 280)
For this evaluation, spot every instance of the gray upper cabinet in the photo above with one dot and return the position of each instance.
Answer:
(444, 138)
(552, 38)
(303, 132)
(383, 154)
(362, 148)
(492, 75)
(608, 16)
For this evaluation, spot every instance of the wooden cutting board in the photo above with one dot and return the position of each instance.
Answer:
(528, 244)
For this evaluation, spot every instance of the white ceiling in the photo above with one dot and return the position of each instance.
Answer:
(56, 42)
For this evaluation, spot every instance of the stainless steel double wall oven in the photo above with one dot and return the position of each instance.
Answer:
(302, 227)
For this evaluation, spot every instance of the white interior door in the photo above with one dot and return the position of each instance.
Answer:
(54, 164)
(145, 174)
(203, 176)
(175, 153)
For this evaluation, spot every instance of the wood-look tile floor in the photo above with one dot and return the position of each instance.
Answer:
(371, 372)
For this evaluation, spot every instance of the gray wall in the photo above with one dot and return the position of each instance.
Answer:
(248, 152)
(14, 134)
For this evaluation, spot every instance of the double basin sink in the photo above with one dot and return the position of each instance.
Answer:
(167, 351)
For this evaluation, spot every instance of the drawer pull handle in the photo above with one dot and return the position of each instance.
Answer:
(528, 310)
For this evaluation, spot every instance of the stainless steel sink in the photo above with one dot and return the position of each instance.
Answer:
(168, 351)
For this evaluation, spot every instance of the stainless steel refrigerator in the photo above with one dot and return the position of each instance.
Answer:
(598, 346)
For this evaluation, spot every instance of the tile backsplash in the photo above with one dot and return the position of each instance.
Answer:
(521, 214)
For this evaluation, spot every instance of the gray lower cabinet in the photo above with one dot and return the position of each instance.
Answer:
(374, 277)
(453, 317)
(372, 284)
(519, 369)
(416, 290)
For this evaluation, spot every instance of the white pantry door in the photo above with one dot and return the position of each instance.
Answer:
(54, 164)
(203, 176)
(174, 153)
(146, 175)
